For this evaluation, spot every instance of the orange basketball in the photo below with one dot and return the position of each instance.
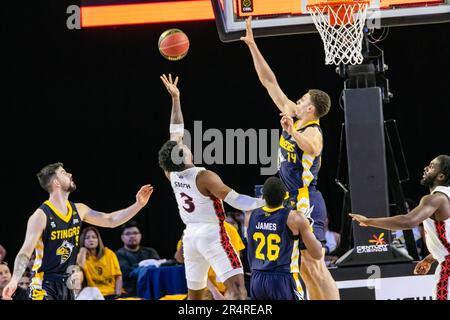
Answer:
(173, 44)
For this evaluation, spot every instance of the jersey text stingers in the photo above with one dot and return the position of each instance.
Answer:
(57, 248)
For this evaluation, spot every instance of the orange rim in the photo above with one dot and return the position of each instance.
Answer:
(333, 4)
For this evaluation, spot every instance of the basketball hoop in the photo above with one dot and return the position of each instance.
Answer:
(340, 24)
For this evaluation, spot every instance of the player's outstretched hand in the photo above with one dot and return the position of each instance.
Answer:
(422, 267)
(287, 123)
(363, 221)
(9, 290)
(248, 39)
(170, 85)
(144, 194)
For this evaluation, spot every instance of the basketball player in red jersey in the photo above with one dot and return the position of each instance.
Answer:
(199, 194)
(434, 211)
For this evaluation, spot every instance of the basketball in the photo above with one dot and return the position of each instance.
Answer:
(173, 44)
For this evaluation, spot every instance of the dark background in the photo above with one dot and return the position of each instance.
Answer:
(92, 99)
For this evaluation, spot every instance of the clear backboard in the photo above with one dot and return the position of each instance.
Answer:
(278, 17)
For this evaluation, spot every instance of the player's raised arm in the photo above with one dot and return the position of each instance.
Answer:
(266, 75)
(114, 219)
(210, 183)
(176, 118)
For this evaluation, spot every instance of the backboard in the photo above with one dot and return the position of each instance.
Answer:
(280, 17)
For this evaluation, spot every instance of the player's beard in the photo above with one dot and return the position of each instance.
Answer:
(71, 188)
(428, 181)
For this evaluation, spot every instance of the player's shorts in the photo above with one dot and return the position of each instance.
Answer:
(205, 245)
(311, 203)
(267, 285)
(442, 276)
(54, 288)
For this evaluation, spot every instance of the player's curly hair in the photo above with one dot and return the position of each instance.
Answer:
(169, 157)
(274, 191)
(444, 162)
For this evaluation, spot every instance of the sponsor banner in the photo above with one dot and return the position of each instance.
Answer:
(395, 288)
(406, 288)
(376, 244)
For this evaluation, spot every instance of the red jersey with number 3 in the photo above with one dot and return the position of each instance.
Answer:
(194, 207)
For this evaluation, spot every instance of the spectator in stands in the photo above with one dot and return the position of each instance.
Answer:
(5, 277)
(31, 264)
(2, 253)
(80, 288)
(131, 254)
(236, 218)
(179, 258)
(398, 234)
(25, 281)
(332, 244)
(100, 264)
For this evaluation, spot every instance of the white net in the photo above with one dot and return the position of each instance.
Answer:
(341, 28)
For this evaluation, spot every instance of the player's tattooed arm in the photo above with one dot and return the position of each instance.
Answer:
(36, 224)
(20, 265)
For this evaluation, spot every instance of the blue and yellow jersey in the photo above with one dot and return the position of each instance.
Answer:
(296, 168)
(57, 248)
(271, 245)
